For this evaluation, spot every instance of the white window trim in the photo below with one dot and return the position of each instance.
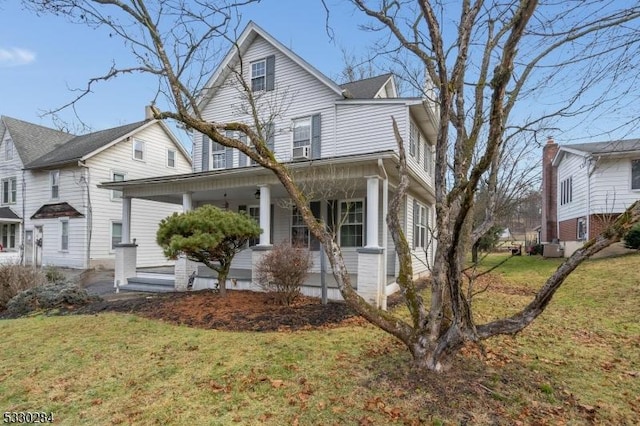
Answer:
(566, 191)
(221, 151)
(257, 239)
(16, 233)
(583, 221)
(51, 174)
(631, 174)
(175, 158)
(144, 150)
(263, 76)
(114, 191)
(8, 148)
(423, 212)
(62, 221)
(341, 223)
(111, 248)
(413, 131)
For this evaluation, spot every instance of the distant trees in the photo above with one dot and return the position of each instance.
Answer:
(208, 235)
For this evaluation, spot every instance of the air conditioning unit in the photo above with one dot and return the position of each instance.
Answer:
(301, 153)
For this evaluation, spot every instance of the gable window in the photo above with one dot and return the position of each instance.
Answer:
(351, 223)
(414, 139)
(419, 226)
(9, 190)
(171, 158)
(9, 235)
(258, 75)
(138, 150)
(54, 178)
(218, 155)
(117, 177)
(635, 174)
(64, 235)
(566, 191)
(116, 234)
(8, 149)
(427, 158)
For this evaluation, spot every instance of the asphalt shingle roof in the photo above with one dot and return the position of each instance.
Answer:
(366, 88)
(610, 147)
(80, 146)
(7, 213)
(31, 140)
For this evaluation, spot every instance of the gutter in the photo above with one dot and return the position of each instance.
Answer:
(382, 292)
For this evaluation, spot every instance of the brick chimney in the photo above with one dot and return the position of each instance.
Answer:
(549, 229)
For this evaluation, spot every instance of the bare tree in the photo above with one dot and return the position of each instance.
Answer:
(478, 68)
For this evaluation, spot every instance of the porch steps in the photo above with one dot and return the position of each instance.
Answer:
(151, 283)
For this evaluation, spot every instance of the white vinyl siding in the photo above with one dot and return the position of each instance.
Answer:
(574, 175)
(612, 186)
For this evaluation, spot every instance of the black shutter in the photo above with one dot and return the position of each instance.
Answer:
(315, 137)
(271, 73)
(206, 144)
(271, 225)
(314, 243)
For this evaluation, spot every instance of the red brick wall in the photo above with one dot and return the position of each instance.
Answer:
(568, 230)
(549, 190)
(598, 223)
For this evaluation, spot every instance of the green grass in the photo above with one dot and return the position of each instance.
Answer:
(583, 353)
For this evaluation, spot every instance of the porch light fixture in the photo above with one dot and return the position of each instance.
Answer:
(257, 194)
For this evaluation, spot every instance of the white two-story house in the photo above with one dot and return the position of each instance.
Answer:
(339, 143)
(594, 183)
(53, 213)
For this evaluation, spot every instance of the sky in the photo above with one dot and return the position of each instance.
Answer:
(42, 58)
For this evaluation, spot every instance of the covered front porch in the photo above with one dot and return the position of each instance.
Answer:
(349, 195)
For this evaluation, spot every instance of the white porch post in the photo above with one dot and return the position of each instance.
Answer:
(265, 215)
(184, 267)
(187, 202)
(371, 285)
(372, 211)
(126, 220)
(126, 252)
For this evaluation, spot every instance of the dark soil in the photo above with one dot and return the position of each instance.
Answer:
(237, 311)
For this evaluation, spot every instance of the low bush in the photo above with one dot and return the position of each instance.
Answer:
(17, 278)
(283, 271)
(54, 275)
(632, 239)
(48, 296)
(535, 249)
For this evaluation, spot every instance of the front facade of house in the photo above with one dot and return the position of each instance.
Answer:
(595, 182)
(57, 214)
(340, 146)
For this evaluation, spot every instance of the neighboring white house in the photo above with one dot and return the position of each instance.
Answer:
(595, 183)
(52, 211)
(340, 145)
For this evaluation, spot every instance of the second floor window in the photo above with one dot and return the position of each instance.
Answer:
(9, 190)
(414, 139)
(54, 178)
(566, 191)
(138, 150)
(171, 158)
(218, 156)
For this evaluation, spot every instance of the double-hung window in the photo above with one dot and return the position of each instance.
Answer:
(420, 224)
(116, 234)
(117, 177)
(302, 132)
(218, 155)
(9, 235)
(351, 223)
(64, 235)
(9, 190)
(414, 139)
(582, 229)
(635, 174)
(254, 213)
(171, 158)
(8, 149)
(299, 229)
(138, 150)
(258, 75)
(54, 178)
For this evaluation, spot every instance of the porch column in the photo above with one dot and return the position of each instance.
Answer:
(187, 202)
(373, 206)
(265, 215)
(126, 220)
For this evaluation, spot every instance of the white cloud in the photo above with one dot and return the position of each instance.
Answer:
(14, 56)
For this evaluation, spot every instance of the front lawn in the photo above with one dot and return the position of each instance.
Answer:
(579, 363)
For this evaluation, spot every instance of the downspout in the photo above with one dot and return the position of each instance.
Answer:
(24, 232)
(88, 212)
(335, 129)
(385, 235)
(590, 170)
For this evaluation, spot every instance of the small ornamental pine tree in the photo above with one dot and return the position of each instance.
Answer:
(208, 235)
(632, 239)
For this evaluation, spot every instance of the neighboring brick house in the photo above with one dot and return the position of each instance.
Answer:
(585, 187)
